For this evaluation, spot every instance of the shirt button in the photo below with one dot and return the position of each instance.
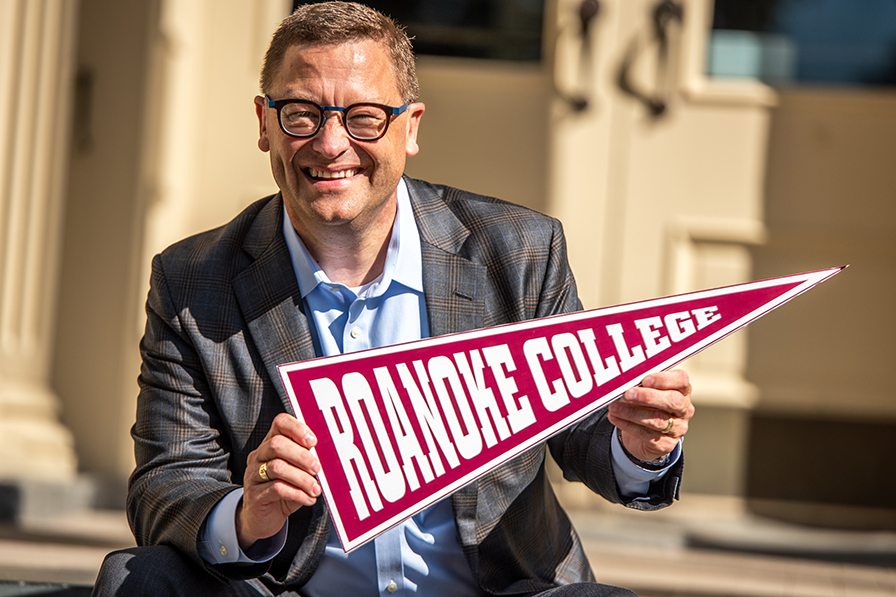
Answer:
(392, 587)
(356, 333)
(223, 551)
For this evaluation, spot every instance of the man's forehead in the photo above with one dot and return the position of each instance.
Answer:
(362, 53)
(354, 58)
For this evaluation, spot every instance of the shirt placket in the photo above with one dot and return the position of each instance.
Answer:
(356, 335)
(389, 566)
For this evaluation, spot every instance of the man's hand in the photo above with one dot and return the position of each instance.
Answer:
(290, 468)
(654, 416)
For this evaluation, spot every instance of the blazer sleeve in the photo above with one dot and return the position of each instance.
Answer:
(183, 456)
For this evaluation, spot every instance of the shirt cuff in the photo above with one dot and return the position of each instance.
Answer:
(632, 480)
(218, 544)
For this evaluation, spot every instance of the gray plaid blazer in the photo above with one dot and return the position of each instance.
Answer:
(224, 310)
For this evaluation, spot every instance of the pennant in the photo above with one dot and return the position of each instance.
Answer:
(404, 426)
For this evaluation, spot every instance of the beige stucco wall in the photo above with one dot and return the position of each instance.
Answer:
(94, 361)
(831, 200)
(485, 128)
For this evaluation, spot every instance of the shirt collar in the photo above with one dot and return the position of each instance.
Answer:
(404, 262)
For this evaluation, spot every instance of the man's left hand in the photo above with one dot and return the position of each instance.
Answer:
(654, 416)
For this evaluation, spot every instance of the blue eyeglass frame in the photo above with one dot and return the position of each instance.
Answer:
(390, 112)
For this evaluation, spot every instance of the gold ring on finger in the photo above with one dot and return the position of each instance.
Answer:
(669, 425)
(263, 472)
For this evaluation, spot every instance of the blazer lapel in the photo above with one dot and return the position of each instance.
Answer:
(450, 281)
(269, 297)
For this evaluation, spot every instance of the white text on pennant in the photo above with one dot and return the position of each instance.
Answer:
(403, 426)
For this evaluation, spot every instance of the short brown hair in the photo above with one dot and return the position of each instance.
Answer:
(339, 22)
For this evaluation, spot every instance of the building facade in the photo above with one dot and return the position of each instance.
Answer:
(126, 126)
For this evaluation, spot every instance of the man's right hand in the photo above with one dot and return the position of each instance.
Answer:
(290, 468)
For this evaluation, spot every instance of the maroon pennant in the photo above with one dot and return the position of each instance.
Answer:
(403, 426)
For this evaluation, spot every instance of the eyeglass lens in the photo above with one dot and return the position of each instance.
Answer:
(362, 121)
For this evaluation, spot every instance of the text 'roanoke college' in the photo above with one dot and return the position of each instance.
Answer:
(450, 408)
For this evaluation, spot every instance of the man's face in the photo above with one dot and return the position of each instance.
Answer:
(331, 179)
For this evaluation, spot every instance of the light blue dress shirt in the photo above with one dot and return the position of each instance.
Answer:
(423, 554)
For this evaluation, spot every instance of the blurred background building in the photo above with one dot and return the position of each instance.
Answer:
(685, 145)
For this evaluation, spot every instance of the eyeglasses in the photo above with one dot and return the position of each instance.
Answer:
(364, 122)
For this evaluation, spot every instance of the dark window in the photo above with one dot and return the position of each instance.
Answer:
(493, 29)
(839, 42)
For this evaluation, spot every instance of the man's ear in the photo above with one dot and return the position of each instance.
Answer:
(415, 113)
(263, 142)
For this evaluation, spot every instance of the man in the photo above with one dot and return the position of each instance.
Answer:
(351, 255)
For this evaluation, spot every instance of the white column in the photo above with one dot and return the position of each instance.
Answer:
(36, 70)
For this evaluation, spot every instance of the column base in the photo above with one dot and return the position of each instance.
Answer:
(34, 445)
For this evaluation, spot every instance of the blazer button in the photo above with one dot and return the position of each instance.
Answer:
(223, 551)
(392, 587)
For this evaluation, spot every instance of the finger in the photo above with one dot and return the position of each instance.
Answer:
(281, 468)
(676, 380)
(263, 474)
(281, 447)
(288, 425)
(670, 402)
(650, 418)
(277, 479)
(651, 437)
(644, 443)
(289, 440)
(291, 483)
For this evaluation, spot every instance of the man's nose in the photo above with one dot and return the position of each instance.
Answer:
(332, 139)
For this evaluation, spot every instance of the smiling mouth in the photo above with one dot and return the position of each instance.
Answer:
(323, 175)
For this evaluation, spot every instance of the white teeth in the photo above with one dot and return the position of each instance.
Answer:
(322, 174)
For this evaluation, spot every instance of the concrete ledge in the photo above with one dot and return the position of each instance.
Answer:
(23, 501)
(65, 549)
(11, 589)
(834, 516)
